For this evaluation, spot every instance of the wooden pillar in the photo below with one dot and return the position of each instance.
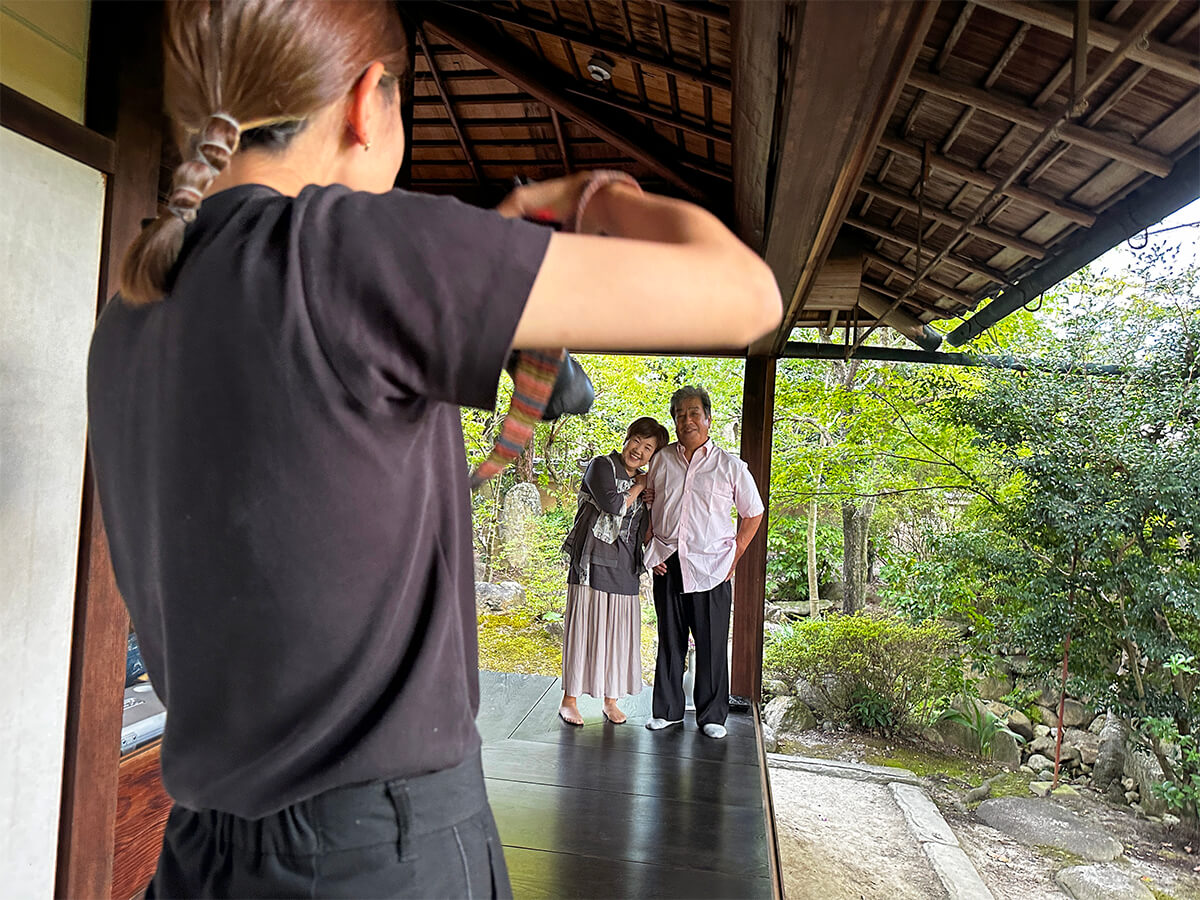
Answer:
(124, 102)
(750, 583)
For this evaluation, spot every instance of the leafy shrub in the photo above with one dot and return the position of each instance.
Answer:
(872, 670)
(871, 711)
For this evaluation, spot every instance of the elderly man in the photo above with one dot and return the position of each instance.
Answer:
(694, 549)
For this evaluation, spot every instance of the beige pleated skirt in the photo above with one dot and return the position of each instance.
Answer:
(602, 643)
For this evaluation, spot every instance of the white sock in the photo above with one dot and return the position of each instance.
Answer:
(713, 730)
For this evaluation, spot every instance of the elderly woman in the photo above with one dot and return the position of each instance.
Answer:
(602, 633)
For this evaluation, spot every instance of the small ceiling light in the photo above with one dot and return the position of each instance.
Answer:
(600, 68)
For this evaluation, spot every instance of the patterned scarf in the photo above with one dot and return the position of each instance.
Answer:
(533, 375)
(536, 371)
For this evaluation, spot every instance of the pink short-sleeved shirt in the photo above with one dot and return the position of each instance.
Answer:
(691, 511)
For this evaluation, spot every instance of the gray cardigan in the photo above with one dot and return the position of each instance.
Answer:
(614, 568)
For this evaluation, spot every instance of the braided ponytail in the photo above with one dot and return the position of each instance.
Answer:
(152, 255)
(267, 64)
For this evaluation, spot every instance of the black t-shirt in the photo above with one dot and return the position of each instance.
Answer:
(280, 462)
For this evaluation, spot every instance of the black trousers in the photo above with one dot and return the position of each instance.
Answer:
(431, 836)
(706, 615)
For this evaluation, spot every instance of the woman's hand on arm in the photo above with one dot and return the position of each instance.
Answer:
(669, 265)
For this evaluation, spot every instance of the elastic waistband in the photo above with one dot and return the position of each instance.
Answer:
(355, 816)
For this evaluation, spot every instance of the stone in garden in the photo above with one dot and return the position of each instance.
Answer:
(1039, 763)
(772, 613)
(1131, 797)
(827, 726)
(1040, 788)
(1101, 883)
(1041, 730)
(500, 597)
(1128, 783)
(1006, 751)
(1065, 790)
(777, 688)
(1069, 754)
(1076, 714)
(1026, 770)
(932, 735)
(1145, 771)
(1021, 724)
(1085, 742)
(1169, 820)
(1043, 745)
(522, 505)
(1049, 716)
(770, 739)
(787, 715)
(994, 687)
(1019, 664)
(1110, 759)
(1097, 725)
(1042, 823)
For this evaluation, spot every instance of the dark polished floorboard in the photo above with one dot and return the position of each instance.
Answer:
(619, 811)
(541, 875)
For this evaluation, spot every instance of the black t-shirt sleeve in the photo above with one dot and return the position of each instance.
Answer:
(415, 295)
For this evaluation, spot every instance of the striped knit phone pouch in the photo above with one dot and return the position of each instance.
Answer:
(546, 383)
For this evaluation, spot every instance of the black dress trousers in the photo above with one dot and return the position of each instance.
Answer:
(706, 615)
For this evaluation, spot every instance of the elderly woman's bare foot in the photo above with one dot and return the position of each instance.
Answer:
(612, 712)
(569, 712)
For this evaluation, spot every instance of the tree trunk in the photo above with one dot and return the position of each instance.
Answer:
(814, 600)
(856, 522)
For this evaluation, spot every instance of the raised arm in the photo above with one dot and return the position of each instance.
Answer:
(669, 265)
(601, 483)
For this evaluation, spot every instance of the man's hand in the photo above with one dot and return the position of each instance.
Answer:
(660, 569)
(732, 569)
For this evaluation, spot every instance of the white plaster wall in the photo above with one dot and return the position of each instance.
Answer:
(51, 215)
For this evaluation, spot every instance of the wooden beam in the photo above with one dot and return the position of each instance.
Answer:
(904, 271)
(448, 103)
(955, 169)
(646, 111)
(750, 582)
(562, 144)
(846, 71)
(125, 95)
(1052, 18)
(1020, 114)
(712, 11)
(940, 215)
(51, 129)
(519, 65)
(594, 42)
(755, 36)
(967, 265)
(960, 25)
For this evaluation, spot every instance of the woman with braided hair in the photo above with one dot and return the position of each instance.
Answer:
(274, 402)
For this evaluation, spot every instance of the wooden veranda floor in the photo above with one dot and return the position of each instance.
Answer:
(619, 811)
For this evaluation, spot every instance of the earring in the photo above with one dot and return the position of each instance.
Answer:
(366, 146)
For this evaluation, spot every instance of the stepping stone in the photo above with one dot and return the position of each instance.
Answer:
(1040, 823)
(1101, 883)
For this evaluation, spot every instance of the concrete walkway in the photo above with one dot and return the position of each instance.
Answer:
(852, 831)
